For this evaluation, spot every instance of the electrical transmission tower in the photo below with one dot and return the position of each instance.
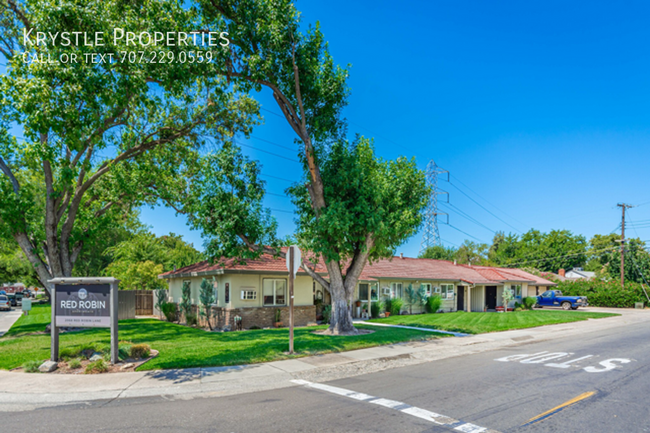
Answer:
(431, 235)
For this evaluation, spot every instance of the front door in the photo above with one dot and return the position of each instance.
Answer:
(491, 297)
(460, 298)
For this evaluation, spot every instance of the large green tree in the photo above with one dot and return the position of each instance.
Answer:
(96, 140)
(352, 206)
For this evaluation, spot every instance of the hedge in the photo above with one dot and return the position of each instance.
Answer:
(605, 293)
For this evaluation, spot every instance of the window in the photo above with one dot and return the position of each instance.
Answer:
(275, 292)
(427, 288)
(447, 291)
(516, 290)
(396, 290)
(547, 294)
(248, 295)
(363, 292)
(436, 289)
(227, 293)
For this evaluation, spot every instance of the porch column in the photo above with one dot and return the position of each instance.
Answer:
(369, 300)
(469, 299)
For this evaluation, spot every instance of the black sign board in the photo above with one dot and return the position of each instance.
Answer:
(80, 305)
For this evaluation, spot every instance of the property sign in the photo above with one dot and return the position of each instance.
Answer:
(79, 305)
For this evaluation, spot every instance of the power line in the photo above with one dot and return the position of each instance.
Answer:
(488, 202)
(465, 233)
(276, 177)
(468, 217)
(484, 208)
(277, 195)
(562, 256)
(266, 151)
(281, 210)
(274, 144)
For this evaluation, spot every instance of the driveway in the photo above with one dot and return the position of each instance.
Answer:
(7, 319)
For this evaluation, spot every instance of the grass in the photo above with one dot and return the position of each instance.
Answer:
(183, 347)
(479, 323)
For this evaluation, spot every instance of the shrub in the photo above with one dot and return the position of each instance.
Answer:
(327, 313)
(186, 299)
(433, 303)
(530, 302)
(206, 296)
(604, 293)
(99, 366)
(140, 351)
(396, 306)
(31, 366)
(278, 315)
(388, 305)
(376, 309)
(161, 299)
(124, 351)
(169, 310)
(191, 319)
(75, 363)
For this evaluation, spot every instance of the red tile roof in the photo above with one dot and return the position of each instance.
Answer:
(393, 268)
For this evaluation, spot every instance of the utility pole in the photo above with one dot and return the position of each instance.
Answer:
(623, 206)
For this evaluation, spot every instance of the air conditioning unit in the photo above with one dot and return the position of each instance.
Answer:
(385, 291)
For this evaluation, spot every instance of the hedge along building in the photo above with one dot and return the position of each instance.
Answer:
(256, 289)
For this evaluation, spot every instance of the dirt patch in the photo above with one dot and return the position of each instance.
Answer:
(328, 332)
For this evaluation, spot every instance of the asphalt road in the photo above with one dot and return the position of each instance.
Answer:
(502, 391)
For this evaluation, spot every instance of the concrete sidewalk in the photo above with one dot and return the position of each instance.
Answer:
(8, 318)
(23, 391)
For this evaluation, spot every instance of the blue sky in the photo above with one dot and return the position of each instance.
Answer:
(539, 110)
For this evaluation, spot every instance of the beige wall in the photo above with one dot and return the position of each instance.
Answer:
(303, 289)
(447, 304)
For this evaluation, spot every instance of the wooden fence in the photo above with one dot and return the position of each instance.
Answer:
(144, 302)
(133, 303)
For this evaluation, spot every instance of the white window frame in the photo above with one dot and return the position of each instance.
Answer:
(428, 288)
(514, 288)
(286, 292)
(447, 291)
(437, 290)
(394, 290)
(248, 294)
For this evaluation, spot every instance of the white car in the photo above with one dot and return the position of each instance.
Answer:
(5, 303)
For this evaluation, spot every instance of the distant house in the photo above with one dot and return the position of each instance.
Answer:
(580, 274)
(255, 290)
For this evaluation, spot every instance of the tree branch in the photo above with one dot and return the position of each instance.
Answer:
(7, 171)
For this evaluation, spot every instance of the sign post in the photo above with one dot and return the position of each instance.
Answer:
(84, 302)
(293, 264)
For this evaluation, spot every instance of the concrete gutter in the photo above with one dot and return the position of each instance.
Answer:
(24, 391)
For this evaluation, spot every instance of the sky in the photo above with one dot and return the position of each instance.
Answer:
(540, 111)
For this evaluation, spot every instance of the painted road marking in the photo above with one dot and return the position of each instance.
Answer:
(543, 357)
(417, 412)
(556, 409)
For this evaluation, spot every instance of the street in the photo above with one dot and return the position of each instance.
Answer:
(595, 383)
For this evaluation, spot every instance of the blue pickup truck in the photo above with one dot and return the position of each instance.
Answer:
(554, 298)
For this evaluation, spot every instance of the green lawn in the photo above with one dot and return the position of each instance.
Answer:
(182, 347)
(478, 323)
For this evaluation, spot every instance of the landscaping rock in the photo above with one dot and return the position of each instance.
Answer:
(96, 356)
(126, 366)
(48, 367)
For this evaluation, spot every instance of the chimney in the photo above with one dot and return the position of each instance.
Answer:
(561, 273)
(401, 255)
(454, 262)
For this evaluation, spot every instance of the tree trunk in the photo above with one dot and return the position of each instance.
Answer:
(341, 318)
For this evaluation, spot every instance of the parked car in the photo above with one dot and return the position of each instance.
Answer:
(19, 298)
(554, 298)
(5, 303)
(12, 299)
(3, 292)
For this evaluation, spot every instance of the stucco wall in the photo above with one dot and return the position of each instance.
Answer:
(303, 289)
(447, 304)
